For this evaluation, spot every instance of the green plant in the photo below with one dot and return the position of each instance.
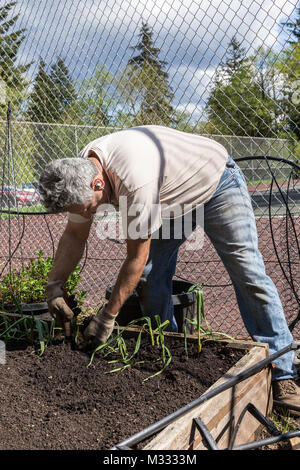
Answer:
(27, 285)
(116, 344)
(202, 331)
(283, 421)
(28, 328)
(166, 357)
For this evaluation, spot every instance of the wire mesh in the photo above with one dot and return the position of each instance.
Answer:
(72, 71)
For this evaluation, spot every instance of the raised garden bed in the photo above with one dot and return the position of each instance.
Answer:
(55, 401)
(220, 413)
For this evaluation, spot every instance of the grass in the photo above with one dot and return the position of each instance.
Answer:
(21, 210)
(284, 423)
(266, 181)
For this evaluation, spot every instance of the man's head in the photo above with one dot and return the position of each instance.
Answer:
(67, 183)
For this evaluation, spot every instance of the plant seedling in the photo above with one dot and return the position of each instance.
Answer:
(200, 317)
(28, 328)
(116, 344)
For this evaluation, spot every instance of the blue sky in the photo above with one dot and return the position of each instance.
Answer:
(193, 35)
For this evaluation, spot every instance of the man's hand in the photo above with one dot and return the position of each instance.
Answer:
(99, 329)
(58, 307)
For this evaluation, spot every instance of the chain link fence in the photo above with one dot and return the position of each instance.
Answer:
(35, 144)
(72, 71)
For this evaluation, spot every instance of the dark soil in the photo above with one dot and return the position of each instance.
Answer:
(56, 402)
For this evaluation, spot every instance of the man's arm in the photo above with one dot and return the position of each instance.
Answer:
(69, 253)
(101, 326)
(70, 250)
(130, 273)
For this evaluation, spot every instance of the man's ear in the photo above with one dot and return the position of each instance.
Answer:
(97, 184)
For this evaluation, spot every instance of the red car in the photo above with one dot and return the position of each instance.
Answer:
(12, 197)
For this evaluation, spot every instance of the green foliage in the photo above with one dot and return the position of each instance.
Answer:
(117, 345)
(258, 95)
(51, 100)
(63, 91)
(23, 146)
(96, 102)
(143, 85)
(238, 104)
(11, 74)
(27, 328)
(53, 93)
(294, 27)
(28, 284)
(289, 66)
(41, 96)
(203, 328)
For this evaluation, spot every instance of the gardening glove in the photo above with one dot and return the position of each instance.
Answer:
(58, 307)
(72, 302)
(99, 328)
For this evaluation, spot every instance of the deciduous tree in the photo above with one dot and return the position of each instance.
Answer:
(238, 104)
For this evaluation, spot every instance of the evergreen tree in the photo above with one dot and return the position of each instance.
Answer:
(50, 102)
(11, 75)
(144, 85)
(53, 93)
(294, 27)
(39, 109)
(235, 59)
(62, 93)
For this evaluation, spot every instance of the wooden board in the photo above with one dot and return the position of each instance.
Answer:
(221, 410)
(225, 408)
(295, 443)
(42, 316)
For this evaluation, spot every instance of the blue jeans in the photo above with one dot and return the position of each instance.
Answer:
(229, 223)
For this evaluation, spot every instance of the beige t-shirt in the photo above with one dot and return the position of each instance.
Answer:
(157, 172)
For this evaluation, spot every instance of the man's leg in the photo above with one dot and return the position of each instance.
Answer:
(155, 286)
(230, 224)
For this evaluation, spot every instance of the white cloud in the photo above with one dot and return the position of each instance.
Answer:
(193, 35)
(187, 24)
(194, 109)
(191, 81)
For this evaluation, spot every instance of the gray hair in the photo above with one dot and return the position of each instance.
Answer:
(67, 181)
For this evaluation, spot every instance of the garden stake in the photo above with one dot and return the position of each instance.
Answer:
(277, 436)
(206, 434)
